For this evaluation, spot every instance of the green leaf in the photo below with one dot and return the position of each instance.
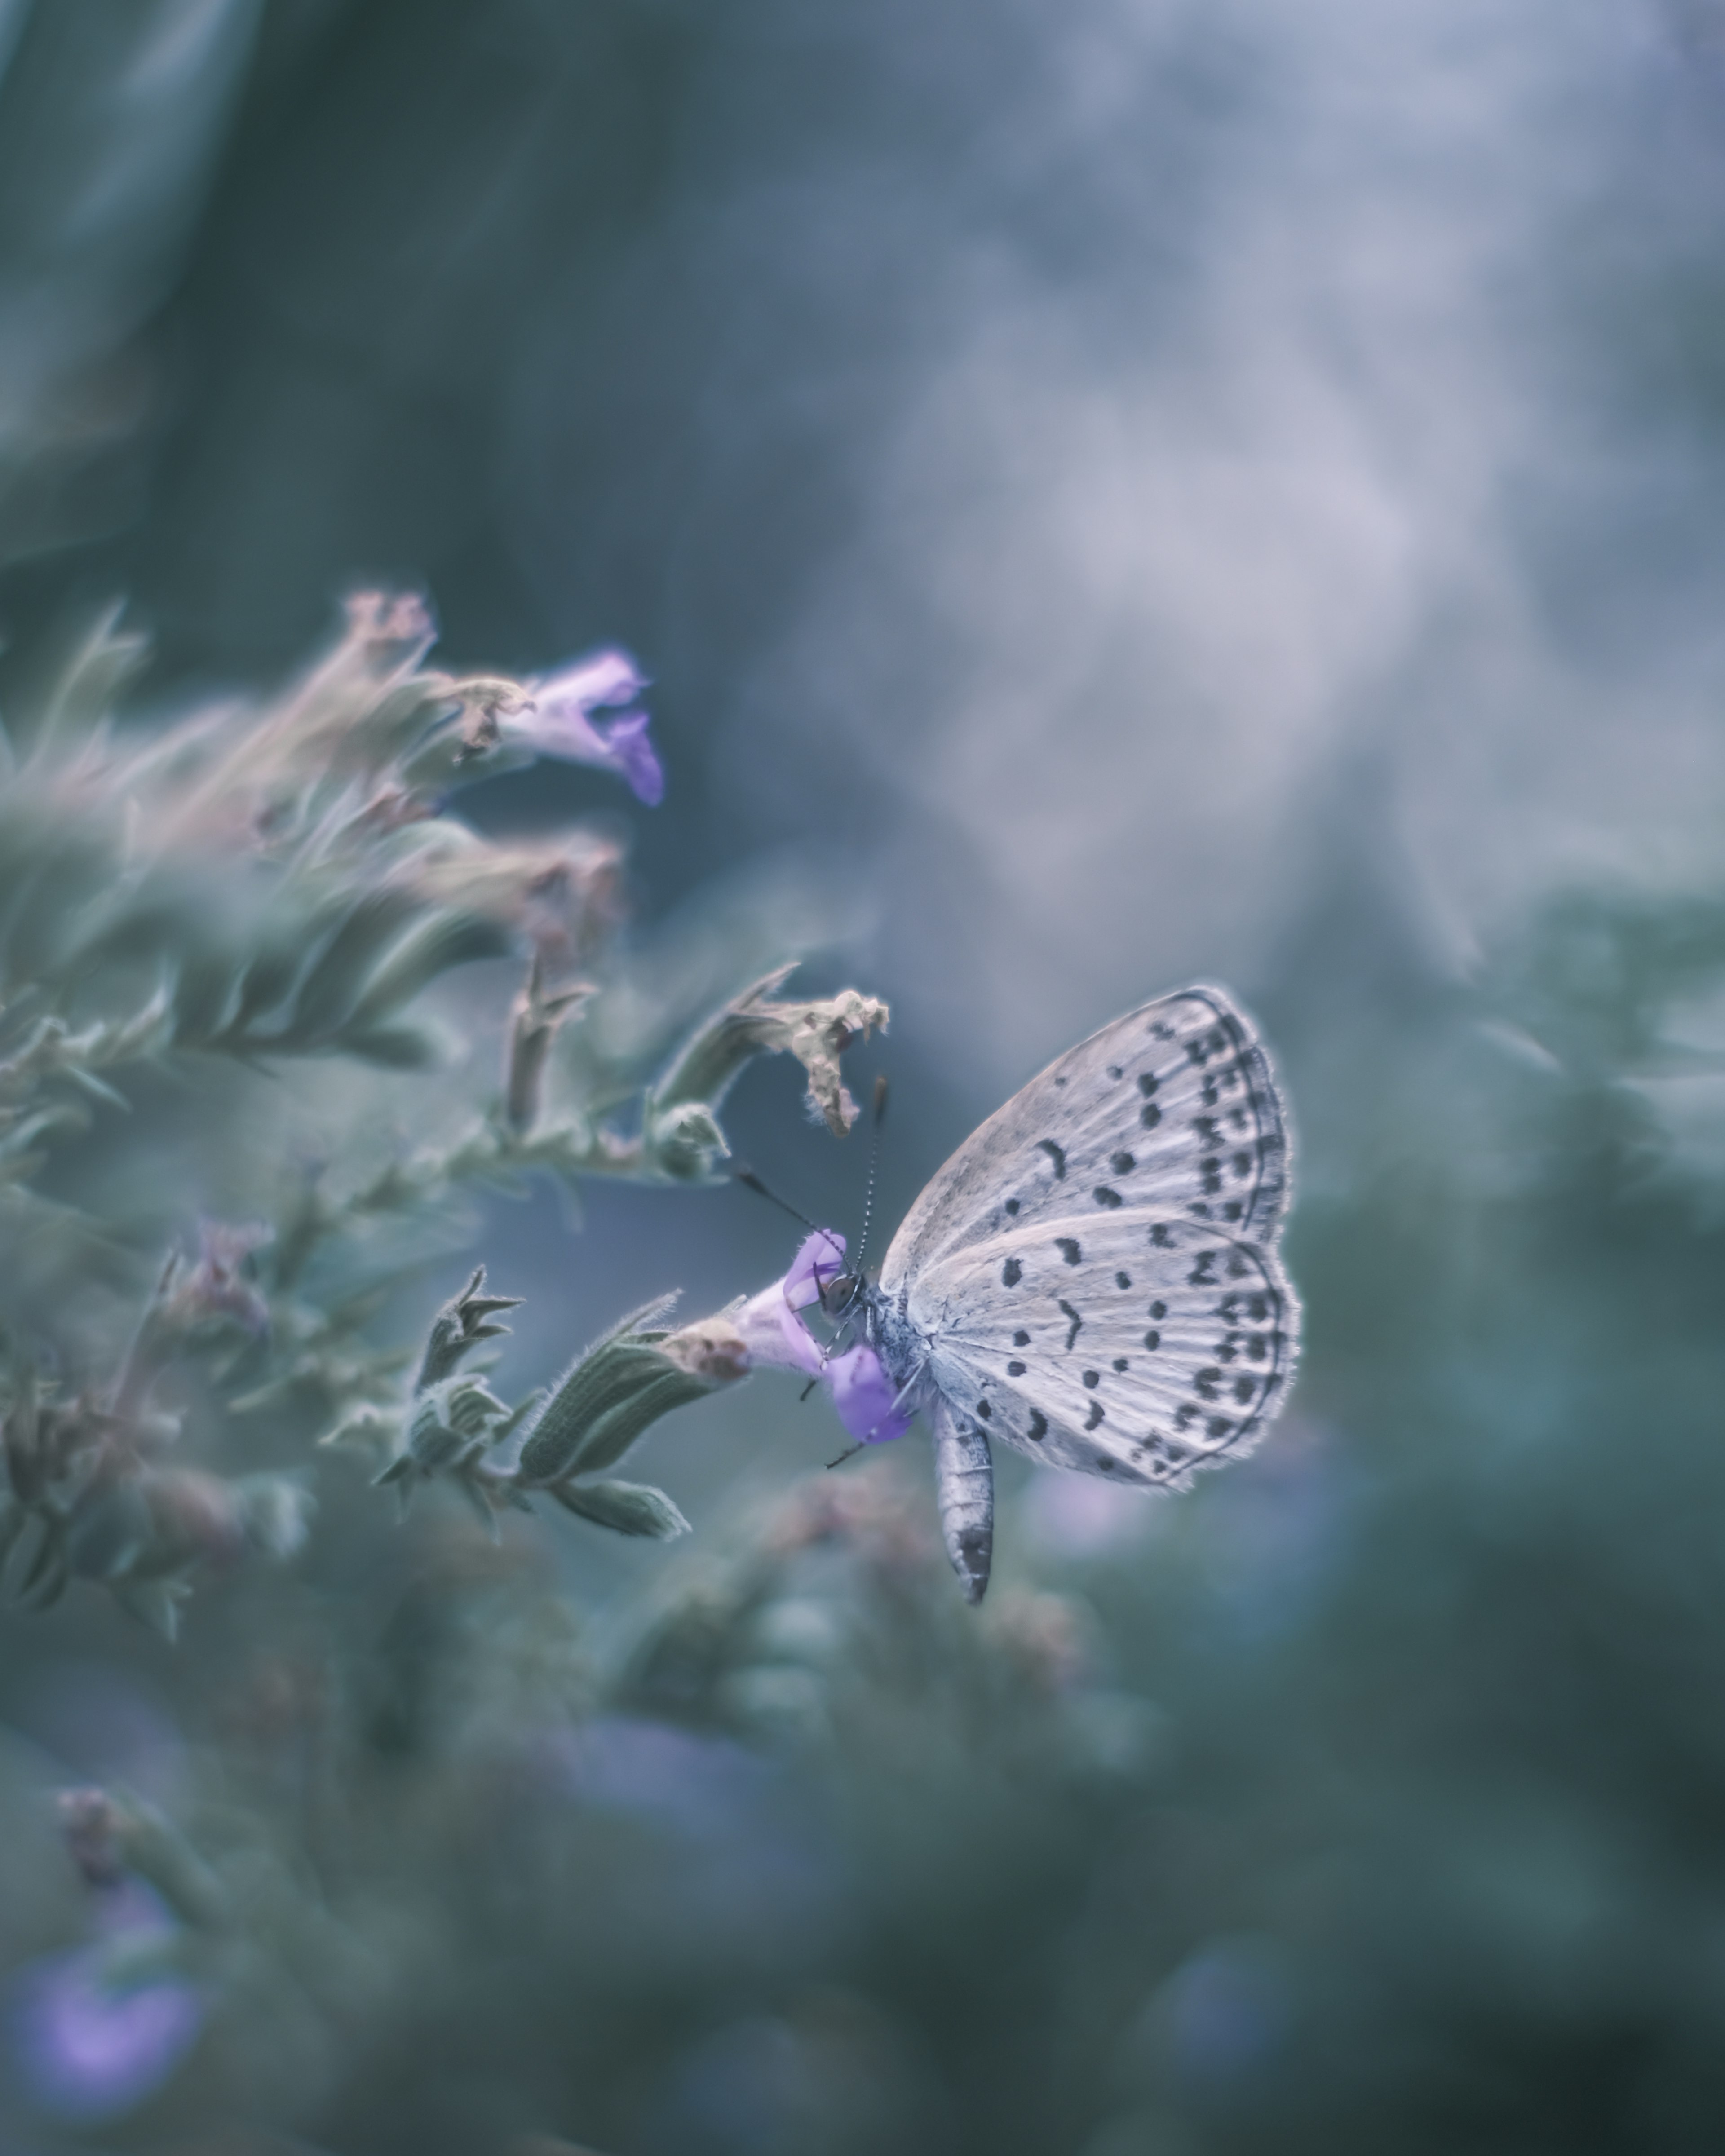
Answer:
(336, 979)
(618, 1366)
(610, 1435)
(91, 682)
(627, 1508)
(431, 948)
(202, 999)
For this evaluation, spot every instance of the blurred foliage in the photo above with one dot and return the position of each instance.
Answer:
(258, 887)
(1370, 1798)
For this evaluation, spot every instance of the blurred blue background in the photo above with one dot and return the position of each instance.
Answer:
(1108, 495)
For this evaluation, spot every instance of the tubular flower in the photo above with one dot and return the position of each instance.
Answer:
(775, 1335)
(560, 721)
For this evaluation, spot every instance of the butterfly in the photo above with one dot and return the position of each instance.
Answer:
(1092, 1278)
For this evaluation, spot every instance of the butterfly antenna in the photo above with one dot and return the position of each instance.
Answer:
(862, 1246)
(750, 1181)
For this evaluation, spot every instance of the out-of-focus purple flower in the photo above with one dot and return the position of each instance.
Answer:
(1081, 1517)
(96, 2030)
(559, 721)
(1227, 2009)
(861, 1392)
(705, 1787)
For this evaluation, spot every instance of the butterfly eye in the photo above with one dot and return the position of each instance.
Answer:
(837, 1294)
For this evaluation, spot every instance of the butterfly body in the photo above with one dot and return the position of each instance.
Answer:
(1092, 1277)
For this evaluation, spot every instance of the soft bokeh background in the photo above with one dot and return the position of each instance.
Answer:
(1108, 495)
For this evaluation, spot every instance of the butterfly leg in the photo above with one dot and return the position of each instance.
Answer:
(964, 1485)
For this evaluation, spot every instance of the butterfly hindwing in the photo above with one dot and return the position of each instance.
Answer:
(1113, 1344)
(1172, 1110)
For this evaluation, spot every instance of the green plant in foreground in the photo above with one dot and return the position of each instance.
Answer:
(188, 909)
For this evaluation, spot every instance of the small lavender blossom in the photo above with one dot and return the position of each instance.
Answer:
(862, 1394)
(97, 2030)
(559, 721)
(865, 1397)
(767, 1322)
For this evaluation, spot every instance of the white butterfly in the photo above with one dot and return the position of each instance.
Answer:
(1092, 1277)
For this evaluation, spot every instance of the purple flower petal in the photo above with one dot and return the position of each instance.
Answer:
(774, 1335)
(94, 2036)
(864, 1395)
(635, 758)
(559, 721)
(602, 678)
(819, 1259)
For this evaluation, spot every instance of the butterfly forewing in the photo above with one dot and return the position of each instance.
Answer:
(1172, 1110)
(1113, 1344)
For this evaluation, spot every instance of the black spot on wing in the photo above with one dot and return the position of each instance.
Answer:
(1122, 1163)
(1094, 1416)
(1072, 1329)
(1093, 1378)
(1039, 1425)
(1152, 1340)
(1012, 1206)
(1057, 1154)
(1123, 1280)
(1011, 1273)
(1121, 1363)
(1067, 1245)
(1021, 1338)
(1015, 1369)
(1104, 1196)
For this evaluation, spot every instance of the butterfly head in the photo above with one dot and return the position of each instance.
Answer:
(841, 1293)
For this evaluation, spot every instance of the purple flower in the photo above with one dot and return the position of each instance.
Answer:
(97, 2030)
(768, 1322)
(860, 1389)
(559, 721)
(865, 1396)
